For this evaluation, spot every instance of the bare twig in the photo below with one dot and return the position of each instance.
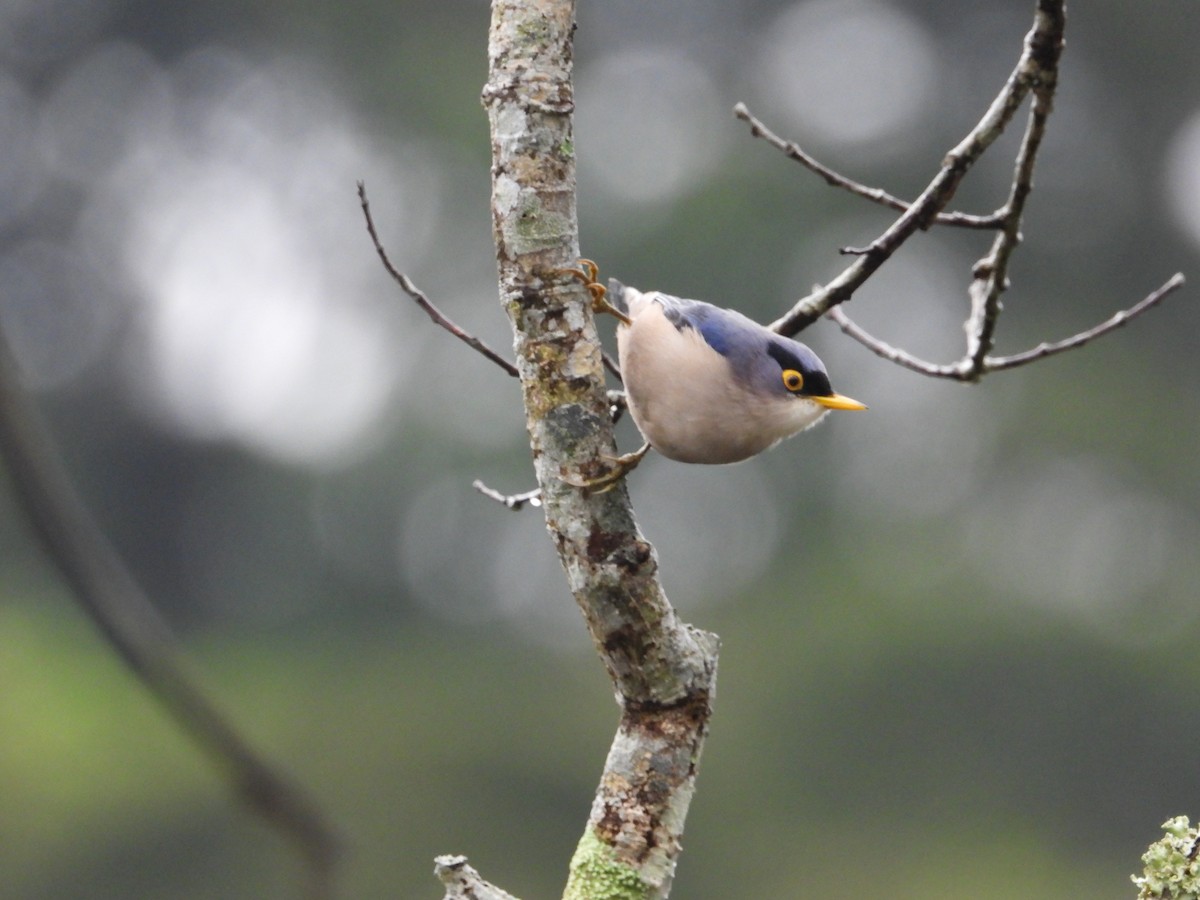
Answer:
(512, 501)
(424, 302)
(876, 195)
(1036, 64)
(887, 351)
(966, 369)
(611, 365)
(127, 619)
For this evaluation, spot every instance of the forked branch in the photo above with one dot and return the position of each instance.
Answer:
(1036, 74)
(1037, 67)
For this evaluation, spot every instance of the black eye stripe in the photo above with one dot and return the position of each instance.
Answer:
(781, 355)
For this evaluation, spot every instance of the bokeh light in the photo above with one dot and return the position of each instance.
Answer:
(20, 176)
(1081, 538)
(653, 150)
(847, 74)
(225, 193)
(1182, 181)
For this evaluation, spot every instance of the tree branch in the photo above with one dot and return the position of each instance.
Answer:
(1117, 320)
(890, 353)
(1043, 49)
(664, 671)
(1036, 72)
(128, 620)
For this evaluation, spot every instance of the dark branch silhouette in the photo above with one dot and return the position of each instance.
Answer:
(133, 627)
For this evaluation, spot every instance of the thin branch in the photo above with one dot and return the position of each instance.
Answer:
(1037, 73)
(967, 370)
(128, 620)
(424, 302)
(835, 179)
(1117, 320)
(512, 501)
(611, 365)
(888, 352)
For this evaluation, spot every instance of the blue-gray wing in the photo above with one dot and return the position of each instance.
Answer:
(722, 329)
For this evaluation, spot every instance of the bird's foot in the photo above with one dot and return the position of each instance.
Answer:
(621, 466)
(587, 273)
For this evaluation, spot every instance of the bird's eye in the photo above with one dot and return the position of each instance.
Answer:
(792, 380)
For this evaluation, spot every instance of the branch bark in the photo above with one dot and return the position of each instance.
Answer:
(463, 883)
(664, 671)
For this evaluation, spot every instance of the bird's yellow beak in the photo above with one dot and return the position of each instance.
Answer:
(837, 401)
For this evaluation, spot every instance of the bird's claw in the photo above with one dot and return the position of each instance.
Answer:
(587, 273)
(621, 466)
(624, 464)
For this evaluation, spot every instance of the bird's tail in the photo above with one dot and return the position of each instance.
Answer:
(616, 295)
(629, 300)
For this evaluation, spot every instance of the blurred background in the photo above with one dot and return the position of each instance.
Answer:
(958, 631)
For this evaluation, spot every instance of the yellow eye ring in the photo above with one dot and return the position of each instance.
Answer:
(792, 380)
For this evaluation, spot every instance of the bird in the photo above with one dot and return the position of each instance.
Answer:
(706, 384)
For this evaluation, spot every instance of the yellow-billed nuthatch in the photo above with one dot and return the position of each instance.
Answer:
(706, 384)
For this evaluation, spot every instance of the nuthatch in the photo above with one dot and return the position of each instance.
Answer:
(706, 384)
